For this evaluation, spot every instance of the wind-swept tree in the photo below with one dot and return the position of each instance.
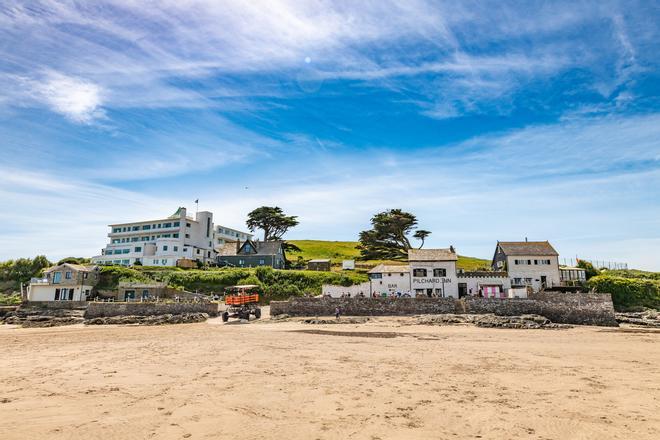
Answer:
(388, 237)
(272, 221)
(421, 234)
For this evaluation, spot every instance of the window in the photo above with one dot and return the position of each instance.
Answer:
(57, 277)
(146, 227)
(176, 248)
(439, 272)
(138, 248)
(165, 248)
(419, 272)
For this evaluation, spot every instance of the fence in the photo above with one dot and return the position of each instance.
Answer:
(598, 264)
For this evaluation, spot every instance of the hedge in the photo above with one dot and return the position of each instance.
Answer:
(628, 292)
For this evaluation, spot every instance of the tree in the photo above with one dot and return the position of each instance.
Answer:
(388, 237)
(589, 269)
(421, 234)
(272, 221)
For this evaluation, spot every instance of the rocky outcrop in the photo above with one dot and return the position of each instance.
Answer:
(647, 318)
(183, 318)
(493, 321)
(38, 317)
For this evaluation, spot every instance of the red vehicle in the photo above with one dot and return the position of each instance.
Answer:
(241, 301)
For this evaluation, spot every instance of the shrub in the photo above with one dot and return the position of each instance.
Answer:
(628, 292)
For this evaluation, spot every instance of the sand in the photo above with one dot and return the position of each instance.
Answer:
(288, 380)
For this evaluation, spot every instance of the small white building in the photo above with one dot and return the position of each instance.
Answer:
(433, 272)
(66, 282)
(389, 279)
(161, 242)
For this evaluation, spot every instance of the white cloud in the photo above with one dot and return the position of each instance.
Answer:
(77, 99)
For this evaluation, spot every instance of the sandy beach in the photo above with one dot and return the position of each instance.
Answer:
(379, 380)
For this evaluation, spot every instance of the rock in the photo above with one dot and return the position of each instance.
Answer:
(335, 321)
(183, 318)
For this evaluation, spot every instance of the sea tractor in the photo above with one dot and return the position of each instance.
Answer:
(241, 302)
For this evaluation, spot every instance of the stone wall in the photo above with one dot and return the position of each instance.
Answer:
(57, 305)
(109, 309)
(566, 308)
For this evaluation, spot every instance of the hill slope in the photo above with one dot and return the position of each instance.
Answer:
(347, 250)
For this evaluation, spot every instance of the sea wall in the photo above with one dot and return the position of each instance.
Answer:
(110, 309)
(566, 308)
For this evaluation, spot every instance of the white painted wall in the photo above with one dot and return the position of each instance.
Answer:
(446, 286)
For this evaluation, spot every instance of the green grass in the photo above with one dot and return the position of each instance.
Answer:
(337, 251)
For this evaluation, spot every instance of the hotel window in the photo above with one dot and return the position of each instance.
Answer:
(439, 272)
(419, 272)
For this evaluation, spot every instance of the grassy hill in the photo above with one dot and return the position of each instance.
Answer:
(347, 250)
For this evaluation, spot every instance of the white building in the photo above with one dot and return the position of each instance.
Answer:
(388, 279)
(66, 282)
(161, 242)
(433, 272)
(532, 264)
(224, 235)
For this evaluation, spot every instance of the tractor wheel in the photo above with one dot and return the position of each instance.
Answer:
(257, 313)
(225, 316)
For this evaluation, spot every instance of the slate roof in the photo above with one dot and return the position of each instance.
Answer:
(431, 255)
(524, 248)
(262, 248)
(76, 267)
(390, 268)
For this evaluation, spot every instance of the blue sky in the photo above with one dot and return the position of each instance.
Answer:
(488, 120)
